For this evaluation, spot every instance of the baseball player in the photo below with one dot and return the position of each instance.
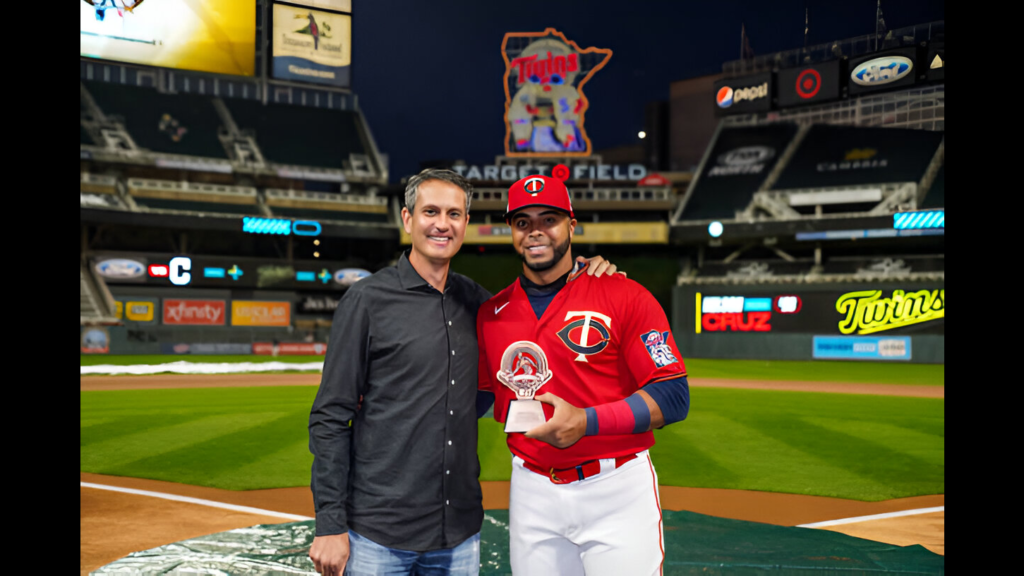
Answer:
(601, 358)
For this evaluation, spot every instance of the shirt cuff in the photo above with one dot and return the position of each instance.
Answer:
(330, 522)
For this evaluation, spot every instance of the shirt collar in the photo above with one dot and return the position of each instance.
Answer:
(411, 279)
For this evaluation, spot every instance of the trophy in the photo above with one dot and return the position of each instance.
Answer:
(524, 369)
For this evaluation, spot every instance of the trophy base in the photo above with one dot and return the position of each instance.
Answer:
(524, 415)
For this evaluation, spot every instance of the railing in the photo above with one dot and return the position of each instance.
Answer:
(909, 36)
(135, 184)
(588, 195)
(342, 199)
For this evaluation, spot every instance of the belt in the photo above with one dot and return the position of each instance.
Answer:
(581, 472)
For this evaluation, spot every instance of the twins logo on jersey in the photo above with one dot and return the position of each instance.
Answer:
(657, 346)
(578, 335)
(524, 368)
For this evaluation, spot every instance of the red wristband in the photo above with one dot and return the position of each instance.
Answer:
(615, 418)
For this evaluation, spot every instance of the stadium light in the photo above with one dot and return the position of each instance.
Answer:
(715, 229)
(642, 134)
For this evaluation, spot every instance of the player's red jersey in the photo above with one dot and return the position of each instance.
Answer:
(600, 338)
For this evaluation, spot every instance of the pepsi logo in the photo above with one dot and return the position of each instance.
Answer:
(724, 97)
(808, 83)
(879, 71)
(349, 276)
(534, 186)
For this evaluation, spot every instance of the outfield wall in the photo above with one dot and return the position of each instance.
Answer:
(870, 321)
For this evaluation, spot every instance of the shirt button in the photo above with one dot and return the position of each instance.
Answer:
(449, 442)
(447, 471)
(453, 352)
(453, 382)
(451, 412)
(446, 503)
(449, 322)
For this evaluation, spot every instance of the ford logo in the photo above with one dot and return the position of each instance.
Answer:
(746, 156)
(881, 70)
(120, 268)
(349, 276)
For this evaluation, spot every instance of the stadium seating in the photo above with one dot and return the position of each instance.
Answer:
(169, 123)
(298, 135)
(192, 197)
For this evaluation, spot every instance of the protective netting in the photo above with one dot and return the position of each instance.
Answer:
(694, 544)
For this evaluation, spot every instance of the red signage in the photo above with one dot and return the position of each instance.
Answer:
(290, 348)
(202, 312)
(159, 270)
(654, 179)
(736, 321)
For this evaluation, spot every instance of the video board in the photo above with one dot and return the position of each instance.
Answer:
(217, 37)
(861, 312)
(311, 46)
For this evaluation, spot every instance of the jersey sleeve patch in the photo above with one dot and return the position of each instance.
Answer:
(657, 346)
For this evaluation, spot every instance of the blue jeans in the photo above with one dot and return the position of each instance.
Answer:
(367, 558)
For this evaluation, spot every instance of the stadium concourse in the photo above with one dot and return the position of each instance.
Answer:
(794, 238)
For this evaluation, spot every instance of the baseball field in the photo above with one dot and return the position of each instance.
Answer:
(787, 443)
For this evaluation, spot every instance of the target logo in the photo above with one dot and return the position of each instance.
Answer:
(808, 83)
(724, 97)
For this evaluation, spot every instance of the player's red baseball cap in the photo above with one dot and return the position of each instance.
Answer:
(538, 190)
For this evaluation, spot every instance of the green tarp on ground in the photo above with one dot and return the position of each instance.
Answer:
(694, 544)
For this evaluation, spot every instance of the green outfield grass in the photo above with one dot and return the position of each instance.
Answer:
(132, 359)
(822, 371)
(847, 446)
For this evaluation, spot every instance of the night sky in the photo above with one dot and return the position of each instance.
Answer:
(429, 73)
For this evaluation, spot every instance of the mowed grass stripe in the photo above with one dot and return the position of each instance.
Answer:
(818, 371)
(927, 448)
(285, 467)
(110, 455)
(755, 461)
(198, 462)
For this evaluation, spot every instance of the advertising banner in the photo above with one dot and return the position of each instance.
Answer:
(744, 95)
(811, 84)
(290, 349)
(194, 312)
(862, 347)
(739, 162)
(205, 348)
(836, 156)
(847, 313)
(120, 270)
(315, 304)
(883, 71)
(218, 37)
(544, 102)
(312, 46)
(139, 310)
(260, 313)
(95, 340)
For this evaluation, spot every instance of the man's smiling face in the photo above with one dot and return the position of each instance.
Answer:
(437, 224)
(542, 236)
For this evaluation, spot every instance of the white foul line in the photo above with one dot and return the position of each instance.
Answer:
(199, 501)
(873, 517)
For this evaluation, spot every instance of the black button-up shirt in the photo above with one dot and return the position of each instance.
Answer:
(402, 468)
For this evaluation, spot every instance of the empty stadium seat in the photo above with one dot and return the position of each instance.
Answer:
(169, 123)
(299, 135)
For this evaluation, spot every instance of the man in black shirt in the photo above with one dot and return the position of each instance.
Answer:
(393, 429)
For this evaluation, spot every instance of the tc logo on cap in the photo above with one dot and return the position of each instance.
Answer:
(534, 186)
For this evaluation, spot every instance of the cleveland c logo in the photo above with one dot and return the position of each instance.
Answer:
(534, 186)
(588, 343)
